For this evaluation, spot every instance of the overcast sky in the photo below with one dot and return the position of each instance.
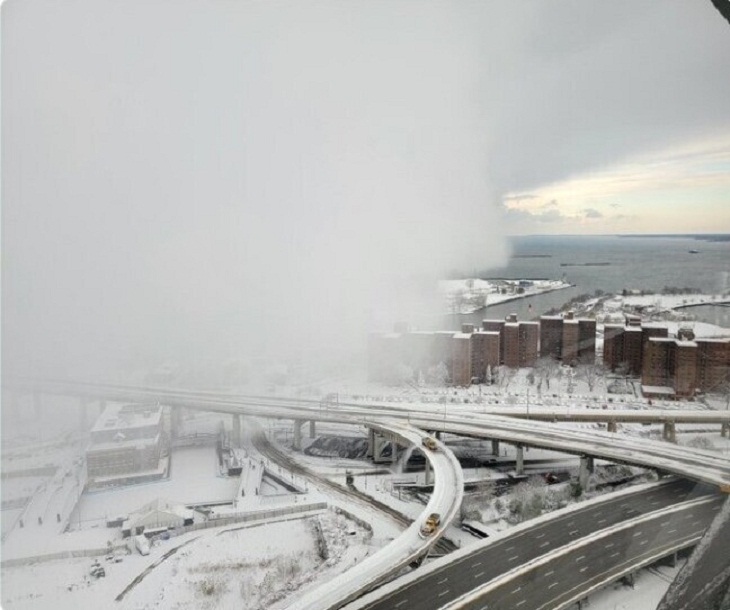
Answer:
(199, 178)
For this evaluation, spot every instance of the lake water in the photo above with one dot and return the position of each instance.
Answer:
(645, 263)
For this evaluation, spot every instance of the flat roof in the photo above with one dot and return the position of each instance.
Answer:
(124, 417)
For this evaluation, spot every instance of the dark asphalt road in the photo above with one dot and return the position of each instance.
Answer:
(459, 577)
(566, 578)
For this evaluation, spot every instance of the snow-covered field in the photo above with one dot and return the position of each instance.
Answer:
(248, 567)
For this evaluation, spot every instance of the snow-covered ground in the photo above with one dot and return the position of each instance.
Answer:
(250, 567)
(207, 569)
(470, 295)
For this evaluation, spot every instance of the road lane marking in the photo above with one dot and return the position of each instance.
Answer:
(549, 573)
(583, 569)
(615, 555)
(513, 558)
(608, 545)
(520, 603)
(544, 544)
(581, 558)
(636, 534)
(602, 521)
(517, 590)
(444, 592)
(664, 523)
(478, 575)
(643, 542)
(555, 584)
(440, 582)
(540, 536)
(401, 603)
(671, 531)
(572, 532)
(478, 563)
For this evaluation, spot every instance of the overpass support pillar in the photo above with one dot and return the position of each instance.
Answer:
(428, 472)
(437, 434)
(378, 446)
(495, 447)
(312, 428)
(298, 434)
(611, 426)
(236, 430)
(586, 468)
(520, 459)
(393, 452)
(83, 413)
(670, 432)
(175, 421)
(371, 444)
(725, 429)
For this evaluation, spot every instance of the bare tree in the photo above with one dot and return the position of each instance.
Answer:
(590, 373)
(546, 369)
(505, 374)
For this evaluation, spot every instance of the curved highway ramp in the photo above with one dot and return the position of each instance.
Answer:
(409, 546)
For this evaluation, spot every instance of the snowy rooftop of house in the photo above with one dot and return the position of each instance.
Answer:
(633, 329)
(462, 335)
(128, 416)
(685, 343)
(551, 317)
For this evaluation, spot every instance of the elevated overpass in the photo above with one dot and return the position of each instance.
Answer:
(687, 462)
(694, 464)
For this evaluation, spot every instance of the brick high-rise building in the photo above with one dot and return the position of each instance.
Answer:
(633, 349)
(496, 326)
(713, 363)
(613, 346)
(570, 341)
(529, 333)
(484, 353)
(551, 337)
(625, 345)
(586, 341)
(669, 367)
(386, 352)
(511, 342)
(567, 338)
(461, 359)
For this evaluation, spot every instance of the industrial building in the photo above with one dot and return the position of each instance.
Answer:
(126, 440)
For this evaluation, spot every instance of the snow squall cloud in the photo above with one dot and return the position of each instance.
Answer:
(214, 180)
(208, 179)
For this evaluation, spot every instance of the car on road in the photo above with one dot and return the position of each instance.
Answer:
(430, 525)
(429, 443)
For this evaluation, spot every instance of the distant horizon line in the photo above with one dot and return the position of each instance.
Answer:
(715, 234)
